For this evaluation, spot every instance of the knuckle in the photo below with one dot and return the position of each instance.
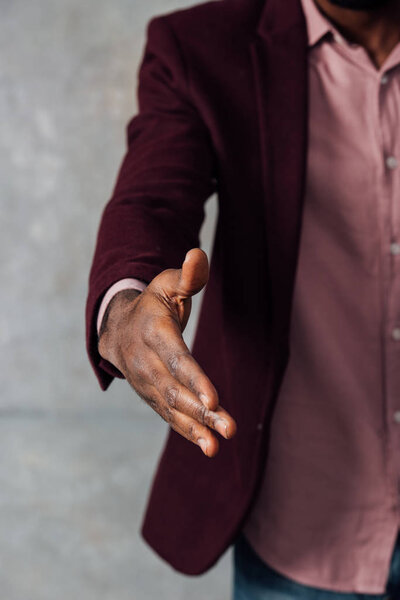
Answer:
(155, 376)
(136, 363)
(175, 361)
(202, 413)
(171, 396)
(147, 334)
(138, 367)
(192, 383)
(191, 431)
(168, 414)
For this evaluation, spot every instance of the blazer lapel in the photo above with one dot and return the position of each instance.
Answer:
(279, 60)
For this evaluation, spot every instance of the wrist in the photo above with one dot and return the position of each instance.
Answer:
(112, 321)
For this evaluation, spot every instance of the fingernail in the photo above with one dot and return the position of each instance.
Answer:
(203, 444)
(222, 427)
(186, 255)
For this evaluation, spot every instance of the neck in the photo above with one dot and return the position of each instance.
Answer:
(378, 30)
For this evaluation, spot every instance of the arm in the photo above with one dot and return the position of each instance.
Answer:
(157, 207)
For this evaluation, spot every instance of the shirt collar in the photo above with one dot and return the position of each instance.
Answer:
(318, 25)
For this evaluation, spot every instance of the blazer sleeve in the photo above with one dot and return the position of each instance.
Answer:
(156, 209)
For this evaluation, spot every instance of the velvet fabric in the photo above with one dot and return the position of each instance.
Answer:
(222, 108)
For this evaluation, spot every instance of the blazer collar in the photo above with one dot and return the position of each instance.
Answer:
(279, 60)
(279, 16)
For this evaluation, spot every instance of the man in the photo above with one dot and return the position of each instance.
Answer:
(290, 111)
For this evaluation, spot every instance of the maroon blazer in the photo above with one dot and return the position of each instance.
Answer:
(222, 108)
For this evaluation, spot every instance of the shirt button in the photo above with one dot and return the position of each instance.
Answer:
(395, 248)
(396, 334)
(396, 416)
(384, 78)
(391, 162)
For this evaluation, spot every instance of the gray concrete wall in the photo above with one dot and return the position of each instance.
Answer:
(76, 463)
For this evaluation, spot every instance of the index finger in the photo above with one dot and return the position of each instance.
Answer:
(169, 345)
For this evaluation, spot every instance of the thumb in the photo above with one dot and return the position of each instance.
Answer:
(194, 273)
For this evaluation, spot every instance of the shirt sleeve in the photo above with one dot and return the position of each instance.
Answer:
(122, 284)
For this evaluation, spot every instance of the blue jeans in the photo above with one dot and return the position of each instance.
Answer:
(254, 580)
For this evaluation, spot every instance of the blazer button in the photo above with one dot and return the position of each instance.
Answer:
(259, 426)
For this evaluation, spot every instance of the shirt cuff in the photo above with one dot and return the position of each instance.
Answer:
(122, 284)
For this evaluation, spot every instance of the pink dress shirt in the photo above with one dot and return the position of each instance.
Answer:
(328, 511)
(328, 514)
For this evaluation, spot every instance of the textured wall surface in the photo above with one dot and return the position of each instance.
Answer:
(76, 463)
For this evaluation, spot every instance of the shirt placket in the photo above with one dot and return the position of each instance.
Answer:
(388, 98)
